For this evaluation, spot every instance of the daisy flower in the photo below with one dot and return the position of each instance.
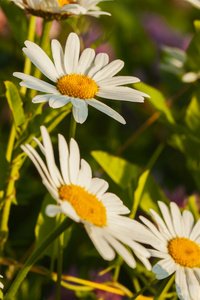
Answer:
(78, 79)
(61, 9)
(84, 199)
(176, 240)
(1, 284)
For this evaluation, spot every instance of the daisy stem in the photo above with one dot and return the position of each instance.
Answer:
(166, 288)
(59, 260)
(35, 256)
(9, 192)
(72, 129)
(27, 65)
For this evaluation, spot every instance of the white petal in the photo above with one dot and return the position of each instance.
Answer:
(58, 57)
(85, 175)
(52, 210)
(109, 70)
(69, 211)
(164, 268)
(121, 93)
(100, 243)
(181, 284)
(74, 161)
(161, 225)
(72, 50)
(40, 59)
(167, 217)
(117, 80)
(57, 101)
(64, 158)
(98, 186)
(49, 155)
(153, 229)
(79, 109)
(101, 60)
(176, 218)
(39, 164)
(158, 254)
(121, 250)
(195, 231)
(41, 98)
(188, 221)
(35, 83)
(192, 283)
(106, 110)
(85, 61)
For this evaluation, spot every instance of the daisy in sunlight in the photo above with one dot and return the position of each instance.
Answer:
(78, 79)
(61, 9)
(84, 199)
(176, 241)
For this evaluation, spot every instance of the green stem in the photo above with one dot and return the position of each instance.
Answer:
(72, 130)
(35, 256)
(166, 288)
(10, 191)
(59, 260)
(27, 65)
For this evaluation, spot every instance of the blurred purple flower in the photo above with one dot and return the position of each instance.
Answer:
(178, 196)
(160, 32)
(4, 27)
(103, 294)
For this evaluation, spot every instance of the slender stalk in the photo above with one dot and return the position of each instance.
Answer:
(27, 65)
(166, 288)
(10, 191)
(72, 130)
(60, 260)
(35, 256)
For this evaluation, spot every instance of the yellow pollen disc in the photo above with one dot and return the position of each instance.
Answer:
(86, 205)
(77, 86)
(65, 2)
(185, 252)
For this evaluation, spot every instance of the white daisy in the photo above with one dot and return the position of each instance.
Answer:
(84, 199)
(1, 284)
(61, 9)
(78, 79)
(176, 240)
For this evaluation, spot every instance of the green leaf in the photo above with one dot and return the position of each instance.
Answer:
(147, 194)
(46, 224)
(157, 100)
(17, 20)
(15, 103)
(192, 204)
(120, 171)
(193, 54)
(192, 117)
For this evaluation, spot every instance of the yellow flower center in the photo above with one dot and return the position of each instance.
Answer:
(65, 2)
(86, 205)
(77, 86)
(185, 252)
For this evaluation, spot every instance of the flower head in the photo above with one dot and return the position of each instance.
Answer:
(61, 9)
(84, 199)
(78, 79)
(177, 243)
